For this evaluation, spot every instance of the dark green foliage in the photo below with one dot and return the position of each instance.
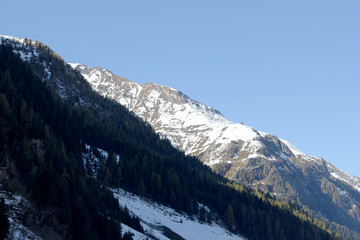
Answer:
(170, 234)
(45, 136)
(42, 159)
(230, 217)
(128, 236)
(202, 213)
(4, 222)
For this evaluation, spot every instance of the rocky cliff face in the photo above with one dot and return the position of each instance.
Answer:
(241, 153)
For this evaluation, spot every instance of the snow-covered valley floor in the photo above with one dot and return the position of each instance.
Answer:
(155, 218)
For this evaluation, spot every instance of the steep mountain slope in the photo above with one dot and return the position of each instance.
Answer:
(16, 207)
(64, 127)
(40, 161)
(156, 218)
(241, 153)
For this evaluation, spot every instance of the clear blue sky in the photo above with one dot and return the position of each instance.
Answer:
(290, 68)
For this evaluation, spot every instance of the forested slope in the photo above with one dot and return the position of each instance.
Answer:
(43, 139)
(41, 159)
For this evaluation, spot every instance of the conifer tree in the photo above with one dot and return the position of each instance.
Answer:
(230, 217)
(141, 188)
(4, 222)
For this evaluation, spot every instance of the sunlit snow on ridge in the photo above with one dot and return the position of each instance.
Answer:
(292, 148)
(16, 39)
(171, 113)
(27, 51)
(190, 126)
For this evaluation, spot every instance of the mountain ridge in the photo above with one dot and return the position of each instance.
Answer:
(257, 159)
(69, 90)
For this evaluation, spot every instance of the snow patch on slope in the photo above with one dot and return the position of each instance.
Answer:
(17, 230)
(298, 153)
(292, 148)
(92, 158)
(27, 51)
(136, 235)
(154, 216)
(344, 177)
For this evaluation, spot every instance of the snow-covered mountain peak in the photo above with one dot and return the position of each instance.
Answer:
(191, 126)
(254, 158)
(172, 113)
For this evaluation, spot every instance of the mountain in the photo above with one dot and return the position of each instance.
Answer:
(256, 159)
(43, 186)
(55, 129)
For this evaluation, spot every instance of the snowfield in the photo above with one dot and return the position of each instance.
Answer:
(154, 217)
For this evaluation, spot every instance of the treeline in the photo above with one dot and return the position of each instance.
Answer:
(45, 136)
(43, 163)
